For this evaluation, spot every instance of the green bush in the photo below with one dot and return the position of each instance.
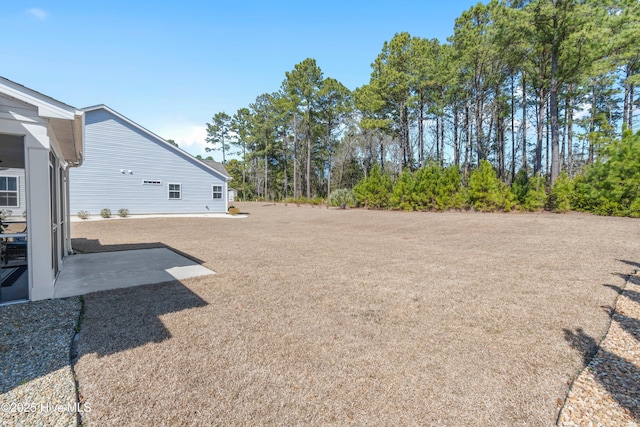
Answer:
(449, 190)
(374, 191)
(519, 186)
(536, 197)
(425, 187)
(83, 214)
(529, 192)
(342, 198)
(438, 188)
(105, 213)
(403, 191)
(562, 193)
(611, 185)
(486, 193)
(123, 213)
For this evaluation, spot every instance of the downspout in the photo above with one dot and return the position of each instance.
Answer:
(67, 214)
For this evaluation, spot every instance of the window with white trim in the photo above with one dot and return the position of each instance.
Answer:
(175, 191)
(217, 192)
(9, 191)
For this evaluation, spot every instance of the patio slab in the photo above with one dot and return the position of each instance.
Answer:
(85, 273)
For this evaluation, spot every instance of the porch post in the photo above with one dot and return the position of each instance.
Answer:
(38, 219)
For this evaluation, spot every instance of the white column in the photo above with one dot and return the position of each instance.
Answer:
(225, 194)
(38, 219)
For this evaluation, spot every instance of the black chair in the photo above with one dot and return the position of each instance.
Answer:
(14, 249)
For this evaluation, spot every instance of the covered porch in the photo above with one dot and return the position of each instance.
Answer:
(40, 139)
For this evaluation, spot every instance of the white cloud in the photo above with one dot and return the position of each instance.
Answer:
(39, 14)
(189, 137)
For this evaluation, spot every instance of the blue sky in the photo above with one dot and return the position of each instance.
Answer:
(170, 66)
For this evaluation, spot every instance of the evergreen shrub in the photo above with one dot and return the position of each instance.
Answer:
(562, 193)
(486, 193)
(374, 191)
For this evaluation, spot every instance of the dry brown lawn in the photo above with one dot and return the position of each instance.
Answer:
(347, 317)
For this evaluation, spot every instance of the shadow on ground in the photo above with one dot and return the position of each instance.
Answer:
(123, 319)
(616, 374)
(631, 263)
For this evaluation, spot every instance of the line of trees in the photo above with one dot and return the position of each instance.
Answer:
(609, 186)
(535, 88)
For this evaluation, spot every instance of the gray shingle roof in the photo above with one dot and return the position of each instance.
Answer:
(217, 166)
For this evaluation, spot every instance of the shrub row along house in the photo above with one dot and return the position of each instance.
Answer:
(56, 159)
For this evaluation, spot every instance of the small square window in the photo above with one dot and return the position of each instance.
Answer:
(175, 191)
(217, 191)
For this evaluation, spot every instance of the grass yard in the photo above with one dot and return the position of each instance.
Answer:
(321, 316)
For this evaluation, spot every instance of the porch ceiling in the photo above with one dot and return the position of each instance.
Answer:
(68, 133)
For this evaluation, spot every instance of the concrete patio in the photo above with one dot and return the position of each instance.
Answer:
(86, 273)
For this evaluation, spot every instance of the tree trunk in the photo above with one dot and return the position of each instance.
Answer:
(500, 143)
(407, 158)
(437, 142)
(513, 129)
(244, 168)
(479, 130)
(266, 176)
(631, 95)
(285, 156)
(537, 166)
(592, 125)
(490, 132)
(553, 100)
(626, 111)
(328, 160)
(381, 154)
(524, 120)
(570, 132)
(421, 133)
(563, 143)
(467, 139)
(456, 146)
(442, 140)
(308, 175)
(547, 142)
(295, 156)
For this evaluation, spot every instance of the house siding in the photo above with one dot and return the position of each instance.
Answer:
(113, 145)
(17, 212)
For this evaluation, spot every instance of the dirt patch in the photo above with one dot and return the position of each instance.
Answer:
(325, 316)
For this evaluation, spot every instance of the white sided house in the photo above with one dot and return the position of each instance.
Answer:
(128, 167)
(40, 140)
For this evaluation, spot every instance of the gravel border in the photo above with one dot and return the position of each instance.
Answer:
(607, 391)
(37, 385)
